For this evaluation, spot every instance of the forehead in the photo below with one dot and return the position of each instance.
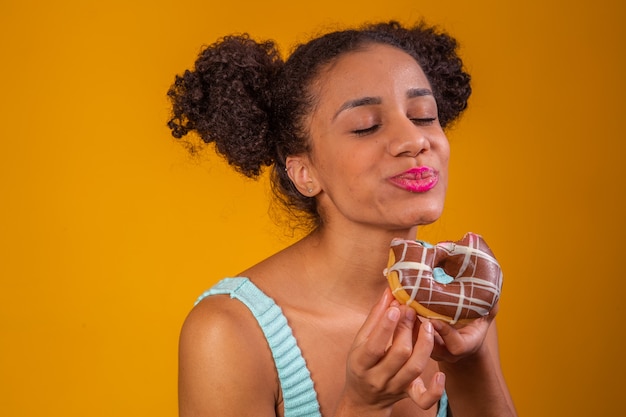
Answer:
(375, 70)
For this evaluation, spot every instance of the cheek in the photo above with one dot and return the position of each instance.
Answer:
(444, 153)
(341, 166)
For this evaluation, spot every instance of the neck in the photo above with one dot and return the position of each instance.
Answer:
(347, 266)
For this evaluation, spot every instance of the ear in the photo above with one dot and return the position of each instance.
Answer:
(301, 173)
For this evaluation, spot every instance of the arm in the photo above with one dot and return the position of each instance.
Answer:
(474, 380)
(225, 365)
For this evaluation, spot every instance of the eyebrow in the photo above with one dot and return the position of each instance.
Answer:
(368, 101)
(363, 101)
(418, 92)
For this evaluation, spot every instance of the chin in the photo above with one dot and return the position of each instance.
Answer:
(425, 221)
(428, 216)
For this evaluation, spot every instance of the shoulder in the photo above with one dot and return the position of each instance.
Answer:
(224, 358)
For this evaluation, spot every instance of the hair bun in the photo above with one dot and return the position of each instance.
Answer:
(226, 99)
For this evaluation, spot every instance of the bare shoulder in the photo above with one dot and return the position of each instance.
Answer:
(225, 365)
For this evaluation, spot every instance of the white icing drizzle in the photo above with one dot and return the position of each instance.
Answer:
(416, 277)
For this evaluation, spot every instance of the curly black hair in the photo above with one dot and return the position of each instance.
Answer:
(251, 104)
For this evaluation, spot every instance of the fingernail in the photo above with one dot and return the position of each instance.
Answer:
(441, 378)
(393, 313)
(428, 326)
(410, 315)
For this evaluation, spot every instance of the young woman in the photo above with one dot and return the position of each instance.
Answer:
(351, 126)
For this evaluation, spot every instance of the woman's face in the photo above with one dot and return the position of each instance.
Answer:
(379, 156)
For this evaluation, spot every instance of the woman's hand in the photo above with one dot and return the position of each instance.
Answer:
(469, 357)
(384, 365)
(455, 343)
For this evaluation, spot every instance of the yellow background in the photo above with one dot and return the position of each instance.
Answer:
(109, 230)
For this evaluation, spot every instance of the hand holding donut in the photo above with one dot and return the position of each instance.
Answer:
(456, 282)
(385, 362)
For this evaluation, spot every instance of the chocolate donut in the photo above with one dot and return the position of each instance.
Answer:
(452, 281)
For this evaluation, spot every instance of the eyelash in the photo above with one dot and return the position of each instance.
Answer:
(374, 128)
(424, 121)
(367, 131)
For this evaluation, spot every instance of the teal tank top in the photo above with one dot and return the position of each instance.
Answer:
(299, 396)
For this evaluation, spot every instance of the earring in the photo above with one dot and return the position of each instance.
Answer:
(309, 190)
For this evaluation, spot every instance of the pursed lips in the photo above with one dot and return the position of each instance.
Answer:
(417, 180)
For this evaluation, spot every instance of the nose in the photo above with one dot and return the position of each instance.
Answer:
(408, 139)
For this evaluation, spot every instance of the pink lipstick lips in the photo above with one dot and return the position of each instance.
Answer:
(417, 180)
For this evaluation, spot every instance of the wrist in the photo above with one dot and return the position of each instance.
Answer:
(352, 408)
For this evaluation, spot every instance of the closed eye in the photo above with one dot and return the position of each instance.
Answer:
(366, 131)
(424, 121)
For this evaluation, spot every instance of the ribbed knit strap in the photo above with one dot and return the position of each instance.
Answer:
(299, 396)
(443, 406)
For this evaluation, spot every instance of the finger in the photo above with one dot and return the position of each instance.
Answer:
(441, 349)
(464, 340)
(401, 348)
(438, 339)
(416, 330)
(372, 350)
(450, 337)
(442, 328)
(427, 397)
(374, 316)
(420, 356)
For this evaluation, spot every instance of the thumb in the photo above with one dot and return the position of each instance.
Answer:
(427, 397)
